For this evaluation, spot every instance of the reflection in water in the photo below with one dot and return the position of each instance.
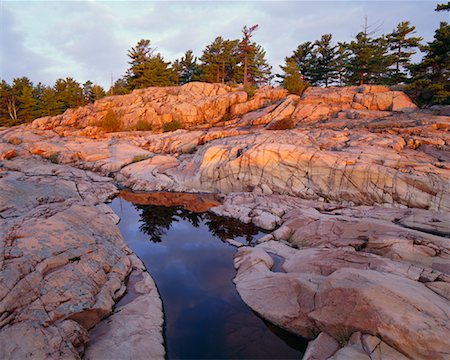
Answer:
(157, 220)
(204, 315)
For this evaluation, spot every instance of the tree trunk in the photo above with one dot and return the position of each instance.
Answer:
(12, 110)
(223, 71)
(245, 70)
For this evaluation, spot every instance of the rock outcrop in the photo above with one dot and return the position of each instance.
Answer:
(191, 104)
(342, 284)
(353, 183)
(63, 262)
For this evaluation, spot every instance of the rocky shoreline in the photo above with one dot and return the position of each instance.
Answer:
(352, 182)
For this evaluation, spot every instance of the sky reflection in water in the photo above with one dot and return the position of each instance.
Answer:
(193, 269)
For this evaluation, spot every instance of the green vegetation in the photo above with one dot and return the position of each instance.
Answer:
(293, 80)
(171, 126)
(283, 124)
(54, 157)
(367, 59)
(111, 122)
(250, 89)
(22, 101)
(143, 125)
(138, 158)
(75, 259)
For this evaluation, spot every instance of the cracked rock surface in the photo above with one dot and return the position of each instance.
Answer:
(353, 183)
(64, 264)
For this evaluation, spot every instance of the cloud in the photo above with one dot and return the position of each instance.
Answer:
(90, 39)
(16, 59)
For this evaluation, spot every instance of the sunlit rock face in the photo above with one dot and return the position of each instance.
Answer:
(353, 182)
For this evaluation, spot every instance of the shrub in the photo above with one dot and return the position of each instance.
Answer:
(295, 84)
(138, 158)
(53, 157)
(111, 122)
(143, 125)
(171, 126)
(283, 124)
(250, 89)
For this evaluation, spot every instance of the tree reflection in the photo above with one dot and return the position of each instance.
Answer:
(156, 220)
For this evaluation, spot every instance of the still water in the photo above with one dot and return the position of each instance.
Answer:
(193, 269)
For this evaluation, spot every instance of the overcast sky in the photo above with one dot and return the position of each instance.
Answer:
(47, 40)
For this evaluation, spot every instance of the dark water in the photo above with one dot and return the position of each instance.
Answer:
(193, 268)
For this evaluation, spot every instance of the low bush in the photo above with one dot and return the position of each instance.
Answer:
(250, 89)
(53, 157)
(295, 84)
(143, 125)
(111, 122)
(171, 126)
(138, 158)
(283, 124)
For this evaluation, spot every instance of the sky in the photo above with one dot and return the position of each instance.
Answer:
(88, 40)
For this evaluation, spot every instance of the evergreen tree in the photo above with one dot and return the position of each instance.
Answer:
(68, 93)
(247, 48)
(342, 59)
(304, 59)
(402, 46)
(28, 104)
(158, 73)
(140, 56)
(292, 79)
(219, 62)
(120, 87)
(48, 102)
(369, 60)
(177, 69)
(211, 61)
(190, 69)
(7, 105)
(431, 77)
(443, 7)
(97, 92)
(259, 71)
(88, 93)
(324, 69)
(147, 68)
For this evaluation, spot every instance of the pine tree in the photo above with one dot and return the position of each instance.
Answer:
(402, 46)
(219, 61)
(431, 77)
(8, 111)
(68, 93)
(88, 93)
(211, 61)
(177, 69)
(28, 104)
(158, 73)
(140, 56)
(97, 92)
(246, 48)
(190, 69)
(443, 7)
(48, 102)
(304, 58)
(342, 59)
(147, 68)
(259, 71)
(324, 69)
(292, 79)
(369, 60)
(120, 87)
